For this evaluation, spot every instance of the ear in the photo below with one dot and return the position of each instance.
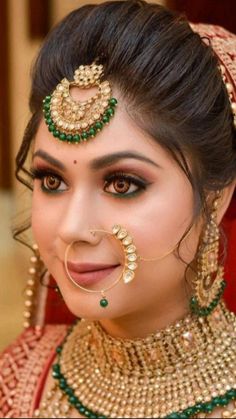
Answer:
(224, 202)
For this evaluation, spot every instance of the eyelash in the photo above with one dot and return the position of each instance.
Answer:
(108, 179)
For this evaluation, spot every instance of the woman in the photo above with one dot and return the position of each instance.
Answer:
(132, 160)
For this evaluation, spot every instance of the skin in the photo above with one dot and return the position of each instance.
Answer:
(156, 218)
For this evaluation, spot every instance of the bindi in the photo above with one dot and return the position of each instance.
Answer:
(75, 161)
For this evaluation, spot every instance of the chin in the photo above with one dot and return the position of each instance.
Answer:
(88, 306)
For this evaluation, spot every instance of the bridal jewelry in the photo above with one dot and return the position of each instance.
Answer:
(75, 121)
(181, 371)
(131, 259)
(209, 284)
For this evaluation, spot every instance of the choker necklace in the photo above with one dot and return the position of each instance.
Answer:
(181, 371)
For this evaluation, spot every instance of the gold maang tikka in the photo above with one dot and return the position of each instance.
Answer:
(209, 284)
(75, 121)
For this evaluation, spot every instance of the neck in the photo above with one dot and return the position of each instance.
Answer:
(145, 322)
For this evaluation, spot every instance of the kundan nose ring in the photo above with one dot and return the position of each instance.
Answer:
(130, 259)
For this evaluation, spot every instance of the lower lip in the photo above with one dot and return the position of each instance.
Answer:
(91, 278)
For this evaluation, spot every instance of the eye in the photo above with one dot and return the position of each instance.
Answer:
(124, 184)
(50, 182)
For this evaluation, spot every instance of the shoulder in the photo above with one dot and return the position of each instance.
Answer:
(21, 366)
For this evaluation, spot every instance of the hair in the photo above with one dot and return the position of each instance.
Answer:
(167, 75)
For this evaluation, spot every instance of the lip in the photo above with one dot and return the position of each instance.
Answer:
(88, 273)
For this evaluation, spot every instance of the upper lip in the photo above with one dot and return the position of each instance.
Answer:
(88, 267)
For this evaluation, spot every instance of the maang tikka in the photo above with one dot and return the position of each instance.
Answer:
(209, 282)
(77, 121)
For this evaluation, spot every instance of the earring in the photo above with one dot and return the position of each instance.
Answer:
(209, 283)
(32, 286)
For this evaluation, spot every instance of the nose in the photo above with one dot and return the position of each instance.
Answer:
(78, 218)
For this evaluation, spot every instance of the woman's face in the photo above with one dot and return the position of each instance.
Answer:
(120, 177)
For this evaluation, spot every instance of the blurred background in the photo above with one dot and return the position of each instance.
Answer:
(23, 26)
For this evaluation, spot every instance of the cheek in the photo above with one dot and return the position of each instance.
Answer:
(161, 222)
(44, 223)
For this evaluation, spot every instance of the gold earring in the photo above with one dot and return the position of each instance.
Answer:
(32, 286)
(209, 283)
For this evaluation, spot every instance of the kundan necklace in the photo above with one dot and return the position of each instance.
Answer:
(184, 370)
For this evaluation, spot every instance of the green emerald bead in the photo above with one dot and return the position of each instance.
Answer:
(46, 107)
(69, 391)
(106, 119)
(231, 394)
(56, 133)
(56, 374)
(62, 385)
(173, 416)
(76, 138)
(56, 368)
(69, 138)
(104, 302)
(62, 137)
(193, 301)
(110, 112)
(58, 349)
(81, 409)
(224, 401)
(78, 405)
(208, 408)
(113, 101)
(47, 115)
(51, 128)
(99, 126)
(84, 135)
(73, 400)
(215, 303)
(47, 99)
(189, 412)
(92, 132)
(86, 413)
(49, 121)
(198, 407)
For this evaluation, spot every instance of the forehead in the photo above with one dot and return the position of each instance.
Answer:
(119, 135)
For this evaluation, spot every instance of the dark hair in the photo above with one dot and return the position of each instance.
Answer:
(167, 75)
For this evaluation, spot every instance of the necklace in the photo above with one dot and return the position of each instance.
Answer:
(183, 370)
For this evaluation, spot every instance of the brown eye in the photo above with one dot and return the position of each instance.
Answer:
(121, 185)
(51, 182)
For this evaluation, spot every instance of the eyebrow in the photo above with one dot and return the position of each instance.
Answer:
(100, 162)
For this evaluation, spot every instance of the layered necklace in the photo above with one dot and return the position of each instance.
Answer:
(181, 371)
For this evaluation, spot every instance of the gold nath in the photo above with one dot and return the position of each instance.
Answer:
(74, 121)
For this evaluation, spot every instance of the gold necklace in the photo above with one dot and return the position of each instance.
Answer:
(187, 364)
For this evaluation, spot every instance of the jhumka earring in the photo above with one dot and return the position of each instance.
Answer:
(32, 286)
(74, 121)
(209, 283)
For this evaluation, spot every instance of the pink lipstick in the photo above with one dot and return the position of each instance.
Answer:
(87, 274)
